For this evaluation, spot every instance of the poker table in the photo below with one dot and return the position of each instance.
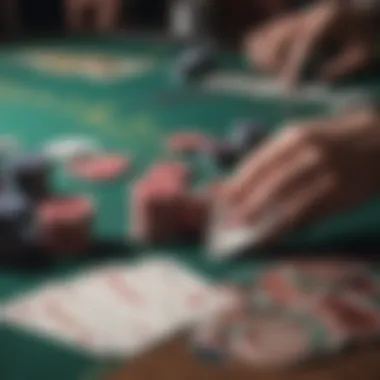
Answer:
(49, 90)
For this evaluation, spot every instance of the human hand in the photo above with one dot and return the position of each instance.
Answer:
(307, 172)
(286, 46)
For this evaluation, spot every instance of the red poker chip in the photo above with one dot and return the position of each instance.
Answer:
(188, 142)
(66, 211)
(100, 168)
(173, 172)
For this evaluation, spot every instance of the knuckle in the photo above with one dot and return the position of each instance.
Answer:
(297, 134)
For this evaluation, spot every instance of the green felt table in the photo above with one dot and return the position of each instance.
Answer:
(132, 115)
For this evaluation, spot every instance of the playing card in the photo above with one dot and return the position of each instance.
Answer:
(41, 312)
(193, 298)
(118, 310)
(226, 240)
(258, 86)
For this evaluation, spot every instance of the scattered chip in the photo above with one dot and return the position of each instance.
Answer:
(356, 319)
(15, 211)
(188, 142)
(16, 214)
(30, 174)
(100, 168)
(172, 171)
(69, 149)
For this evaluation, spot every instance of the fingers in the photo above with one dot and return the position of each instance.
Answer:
(354, 58)
(304, 205)
(266, 48)
(315, 27)
(269, 158)
(256, 166)
(293, 166)
(298, 173)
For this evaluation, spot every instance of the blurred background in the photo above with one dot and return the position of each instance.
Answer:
(226, 20)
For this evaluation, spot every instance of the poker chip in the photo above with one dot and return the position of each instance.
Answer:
(66, 210)
(68, 149)
(16, 219)
(170, 171)
(30, 173)
(268, 341)
(100, 168)
(15, 211)
(64, 224)
(156, 211)
(188, 142)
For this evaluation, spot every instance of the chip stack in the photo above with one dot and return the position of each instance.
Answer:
(30, 174)
(156, 211)
(195, 214)
(65, 225)
(164, 209)
(15, 220)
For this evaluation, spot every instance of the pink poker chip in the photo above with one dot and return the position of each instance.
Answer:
(170, 171)
(188, 142)
(100, 168)
(72, 210)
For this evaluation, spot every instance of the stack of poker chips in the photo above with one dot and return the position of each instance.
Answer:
(164, 208)
(33, 220)
(25, 182)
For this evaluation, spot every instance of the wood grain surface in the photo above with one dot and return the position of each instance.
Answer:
(174, 361)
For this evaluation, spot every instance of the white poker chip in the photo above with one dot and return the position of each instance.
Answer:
(66, 150)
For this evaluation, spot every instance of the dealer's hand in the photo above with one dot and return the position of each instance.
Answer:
(306, 172)
(286, 45)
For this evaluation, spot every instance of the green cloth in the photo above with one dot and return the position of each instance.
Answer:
(133, 116)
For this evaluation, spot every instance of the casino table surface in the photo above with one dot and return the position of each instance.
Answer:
(42, 98)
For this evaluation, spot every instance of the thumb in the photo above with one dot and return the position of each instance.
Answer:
(352, 59)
